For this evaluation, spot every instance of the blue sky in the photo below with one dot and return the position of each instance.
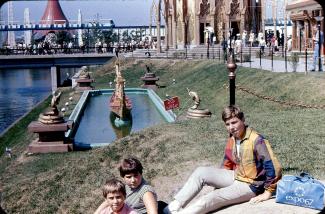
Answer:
(123, 12)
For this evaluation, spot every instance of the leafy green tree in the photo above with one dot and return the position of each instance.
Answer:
(136, 35)
(109, 36)
(126, 37)
(91, 36)
(63, 37)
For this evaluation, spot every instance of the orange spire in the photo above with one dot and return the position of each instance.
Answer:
(53, 13)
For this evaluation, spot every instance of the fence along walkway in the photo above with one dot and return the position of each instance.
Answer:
(216, 53)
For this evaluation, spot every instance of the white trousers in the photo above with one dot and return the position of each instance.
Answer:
(228, 191)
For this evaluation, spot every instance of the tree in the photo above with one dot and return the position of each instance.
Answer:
(109, 36)
(63, 37)
(92, 35)
(137, 35)
(126, 37)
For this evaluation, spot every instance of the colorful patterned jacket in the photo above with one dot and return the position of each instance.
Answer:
(255, 164)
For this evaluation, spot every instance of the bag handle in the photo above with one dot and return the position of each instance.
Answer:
(304, 176)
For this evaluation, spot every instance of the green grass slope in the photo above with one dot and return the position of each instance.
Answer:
(70, 182)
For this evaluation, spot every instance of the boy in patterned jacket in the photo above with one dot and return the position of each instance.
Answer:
(249, 171)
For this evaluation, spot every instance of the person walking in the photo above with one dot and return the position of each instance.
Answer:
(318, 40)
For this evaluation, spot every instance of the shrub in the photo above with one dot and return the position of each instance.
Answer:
(181, 54)
(246, 58)
(294, 61)
(258, 53)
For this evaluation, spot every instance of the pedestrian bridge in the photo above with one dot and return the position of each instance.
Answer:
(54, 62)
(59, 60)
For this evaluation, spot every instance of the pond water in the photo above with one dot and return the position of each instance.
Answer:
(22, 89)
(97, 123)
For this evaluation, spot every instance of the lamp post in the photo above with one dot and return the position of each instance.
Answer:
(207, 36)
(300, 39)
(224, 46)
(230, 48)
(319, 19)
(282, 40)
(231, 65)
(214, 39)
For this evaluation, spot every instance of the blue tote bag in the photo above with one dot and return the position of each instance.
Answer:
(303, 191)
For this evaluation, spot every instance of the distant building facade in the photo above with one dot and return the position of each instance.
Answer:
(187, 20)
(302, 14)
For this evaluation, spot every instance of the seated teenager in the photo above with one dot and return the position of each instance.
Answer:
(250, 171)
(115, 194)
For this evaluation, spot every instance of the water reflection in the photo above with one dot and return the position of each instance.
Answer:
(120, 130)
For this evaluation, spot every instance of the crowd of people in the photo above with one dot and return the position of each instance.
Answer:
(45, 48)
(49, 45)
(273, 42)
(249, 172)
(262, 40)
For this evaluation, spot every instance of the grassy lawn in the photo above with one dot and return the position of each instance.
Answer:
(70, 182)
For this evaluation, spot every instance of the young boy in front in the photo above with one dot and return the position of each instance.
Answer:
(115, 194)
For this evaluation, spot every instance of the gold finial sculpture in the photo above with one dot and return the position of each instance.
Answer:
(195, 111)
(55, 99)
(84, 74)
(117, 69)
(52, 116)
(195, 97)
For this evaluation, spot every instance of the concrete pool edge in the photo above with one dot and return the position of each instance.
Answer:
(77, 112)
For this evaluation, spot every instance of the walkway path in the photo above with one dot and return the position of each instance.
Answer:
(266, 64)
(278, 65)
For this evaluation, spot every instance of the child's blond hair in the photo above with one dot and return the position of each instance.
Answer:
(113, 185)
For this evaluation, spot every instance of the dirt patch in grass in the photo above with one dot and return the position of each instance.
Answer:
(168, 186)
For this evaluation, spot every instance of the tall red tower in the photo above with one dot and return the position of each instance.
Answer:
(53, 14)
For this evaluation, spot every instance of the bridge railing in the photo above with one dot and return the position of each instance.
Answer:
(64, 50)
(17, 27)
(47, 51)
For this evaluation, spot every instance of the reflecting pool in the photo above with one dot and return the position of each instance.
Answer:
(96, 123)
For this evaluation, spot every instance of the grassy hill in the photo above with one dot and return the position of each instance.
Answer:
(70, 182)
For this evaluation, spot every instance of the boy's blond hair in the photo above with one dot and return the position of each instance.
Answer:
(113, 185)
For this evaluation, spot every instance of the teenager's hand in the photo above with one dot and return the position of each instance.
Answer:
(262, 197)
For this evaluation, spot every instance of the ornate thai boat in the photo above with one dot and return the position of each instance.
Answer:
(119, 103)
